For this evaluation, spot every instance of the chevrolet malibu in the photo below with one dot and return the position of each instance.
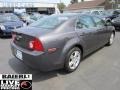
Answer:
(60, 41)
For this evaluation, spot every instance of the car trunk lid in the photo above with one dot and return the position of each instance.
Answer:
(24, 35)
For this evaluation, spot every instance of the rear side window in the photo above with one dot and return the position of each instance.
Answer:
(85, 22)
(50, 22)
(99, 22)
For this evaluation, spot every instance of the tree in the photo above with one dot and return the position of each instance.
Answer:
(74, 1)
(61, 6)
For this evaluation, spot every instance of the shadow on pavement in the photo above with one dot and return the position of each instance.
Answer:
(20, 68)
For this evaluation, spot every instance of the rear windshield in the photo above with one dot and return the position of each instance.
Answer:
(50, 22)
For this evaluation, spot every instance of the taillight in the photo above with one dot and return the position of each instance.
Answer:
(36, 45)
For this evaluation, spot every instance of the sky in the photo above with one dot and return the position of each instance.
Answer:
(48, 1)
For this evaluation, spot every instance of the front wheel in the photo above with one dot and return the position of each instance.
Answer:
(111, 40)
(73, 59)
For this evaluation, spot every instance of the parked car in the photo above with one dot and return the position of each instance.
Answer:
(23, 16)
(111, 14)
(103, 14)
(8, 22)
(116, 23)
(60, 41)
(34, 17)
(97, 12)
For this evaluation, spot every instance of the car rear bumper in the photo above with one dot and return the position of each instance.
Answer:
(38, 60)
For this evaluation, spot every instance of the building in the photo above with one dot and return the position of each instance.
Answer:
(93, 5)
(43, 8)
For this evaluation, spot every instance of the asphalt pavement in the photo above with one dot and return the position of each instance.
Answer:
(98, 71)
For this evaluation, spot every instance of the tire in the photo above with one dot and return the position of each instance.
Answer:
(72, 60)
(111, 39)
(1, 35)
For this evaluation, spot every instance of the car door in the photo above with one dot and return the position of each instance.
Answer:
(86, 30)
(102, 31)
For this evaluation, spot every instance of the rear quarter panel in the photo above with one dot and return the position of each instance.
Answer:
(63, 39)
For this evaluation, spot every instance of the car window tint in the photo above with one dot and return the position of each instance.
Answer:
(85, 22)
(50, 22)
(99, 22)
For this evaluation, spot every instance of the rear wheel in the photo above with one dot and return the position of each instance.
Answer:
(111, 40)
(73, 59)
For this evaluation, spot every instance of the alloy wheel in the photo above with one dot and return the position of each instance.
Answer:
(74, 60)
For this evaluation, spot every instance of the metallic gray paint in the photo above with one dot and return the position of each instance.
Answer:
(63, 38)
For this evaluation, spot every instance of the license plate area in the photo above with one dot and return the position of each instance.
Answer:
(19, 55)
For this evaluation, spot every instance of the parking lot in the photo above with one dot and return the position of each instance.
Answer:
(99, 71)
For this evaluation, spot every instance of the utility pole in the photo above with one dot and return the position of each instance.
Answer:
(112, 3)
(117, 2)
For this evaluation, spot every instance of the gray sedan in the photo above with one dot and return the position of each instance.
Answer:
(61, 41)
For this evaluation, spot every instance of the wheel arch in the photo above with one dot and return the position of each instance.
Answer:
(72, 46)
(80, 47)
